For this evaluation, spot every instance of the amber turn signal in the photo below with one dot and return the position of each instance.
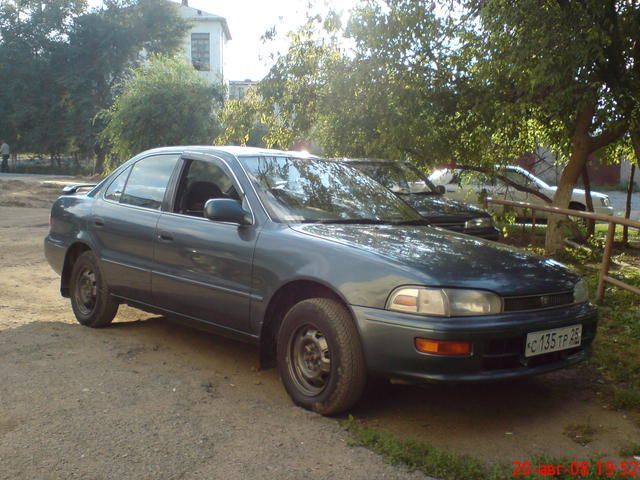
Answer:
(443, 347)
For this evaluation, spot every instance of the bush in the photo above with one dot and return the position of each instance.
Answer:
(163, 102)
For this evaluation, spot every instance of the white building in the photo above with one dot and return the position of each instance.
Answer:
(204, 43)
(238, 88)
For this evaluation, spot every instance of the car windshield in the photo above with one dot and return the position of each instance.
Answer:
(321, 191)
(399, 177)
(525, 179)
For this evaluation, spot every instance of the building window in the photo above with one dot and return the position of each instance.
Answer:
(200, 51)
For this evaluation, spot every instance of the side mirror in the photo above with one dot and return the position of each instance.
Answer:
(226, 210)
(440, 189)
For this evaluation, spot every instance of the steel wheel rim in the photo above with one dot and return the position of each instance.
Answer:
(309, 360)
(86, 291)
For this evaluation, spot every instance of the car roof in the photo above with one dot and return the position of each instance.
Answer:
(518, 168)
(230, 149)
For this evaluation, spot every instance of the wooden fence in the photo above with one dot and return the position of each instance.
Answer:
(604, 277)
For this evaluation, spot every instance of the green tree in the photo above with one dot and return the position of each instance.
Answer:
(163, 102)
(402, 89)
(33, 34)
(562, 72)
(479, 85)
(244, 121)
(102, 47)
(59, 63)
(294, 86)
(390, 93)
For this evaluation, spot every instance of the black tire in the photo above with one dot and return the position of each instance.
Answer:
(318, 323)
(578, 220)
(91, 302)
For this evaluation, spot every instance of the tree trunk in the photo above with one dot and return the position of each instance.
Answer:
(627, 208)
(554, 242)
(635, 141)
(591, 225)
(99, 166)
(581, 147)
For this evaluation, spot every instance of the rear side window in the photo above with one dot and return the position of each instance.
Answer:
(148, 181)
(117, 186)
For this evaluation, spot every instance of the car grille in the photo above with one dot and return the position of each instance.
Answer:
(537, 302)
(508, 353)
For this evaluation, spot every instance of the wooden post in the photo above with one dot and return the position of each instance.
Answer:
(591, 225)
(627, 208)
(533, 227)
(606, 261)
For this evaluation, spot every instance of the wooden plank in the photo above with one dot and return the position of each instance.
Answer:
(606, 261)
(565, 211)
(621, 284)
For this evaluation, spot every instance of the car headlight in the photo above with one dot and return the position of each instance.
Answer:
(605, 201)
(445, 302)
(581, 292)
(480, 222)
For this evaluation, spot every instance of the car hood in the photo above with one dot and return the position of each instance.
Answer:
(452, 260)
(433, 206)
(581, 193)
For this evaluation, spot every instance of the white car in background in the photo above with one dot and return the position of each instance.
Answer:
(471, 187)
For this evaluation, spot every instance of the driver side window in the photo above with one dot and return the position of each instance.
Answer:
(202, 181)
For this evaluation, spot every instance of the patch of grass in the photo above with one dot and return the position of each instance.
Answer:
(445, 465)
(580, 433)
(616, 355)
(430, 460)
(631, 450)
(627, 399)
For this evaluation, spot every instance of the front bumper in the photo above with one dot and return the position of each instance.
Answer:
(602, 210)
(498, 343)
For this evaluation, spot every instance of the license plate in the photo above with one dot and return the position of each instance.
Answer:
(547, 341)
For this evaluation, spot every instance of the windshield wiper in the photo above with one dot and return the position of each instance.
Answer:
(415, 221)
(419, 193)
(368, 221)
(349, 221)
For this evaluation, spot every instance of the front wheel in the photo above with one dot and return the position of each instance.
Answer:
(91, 302)
(580, 221)
(320, 357)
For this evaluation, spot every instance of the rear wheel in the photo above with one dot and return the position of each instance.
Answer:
(580, 221)
(320, 358)
(90, 299)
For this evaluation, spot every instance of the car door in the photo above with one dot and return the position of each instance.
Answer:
(453, 189)
(123, 224)
(468, 186)
(203, 268)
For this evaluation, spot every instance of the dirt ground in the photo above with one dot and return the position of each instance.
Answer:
(149, 398)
